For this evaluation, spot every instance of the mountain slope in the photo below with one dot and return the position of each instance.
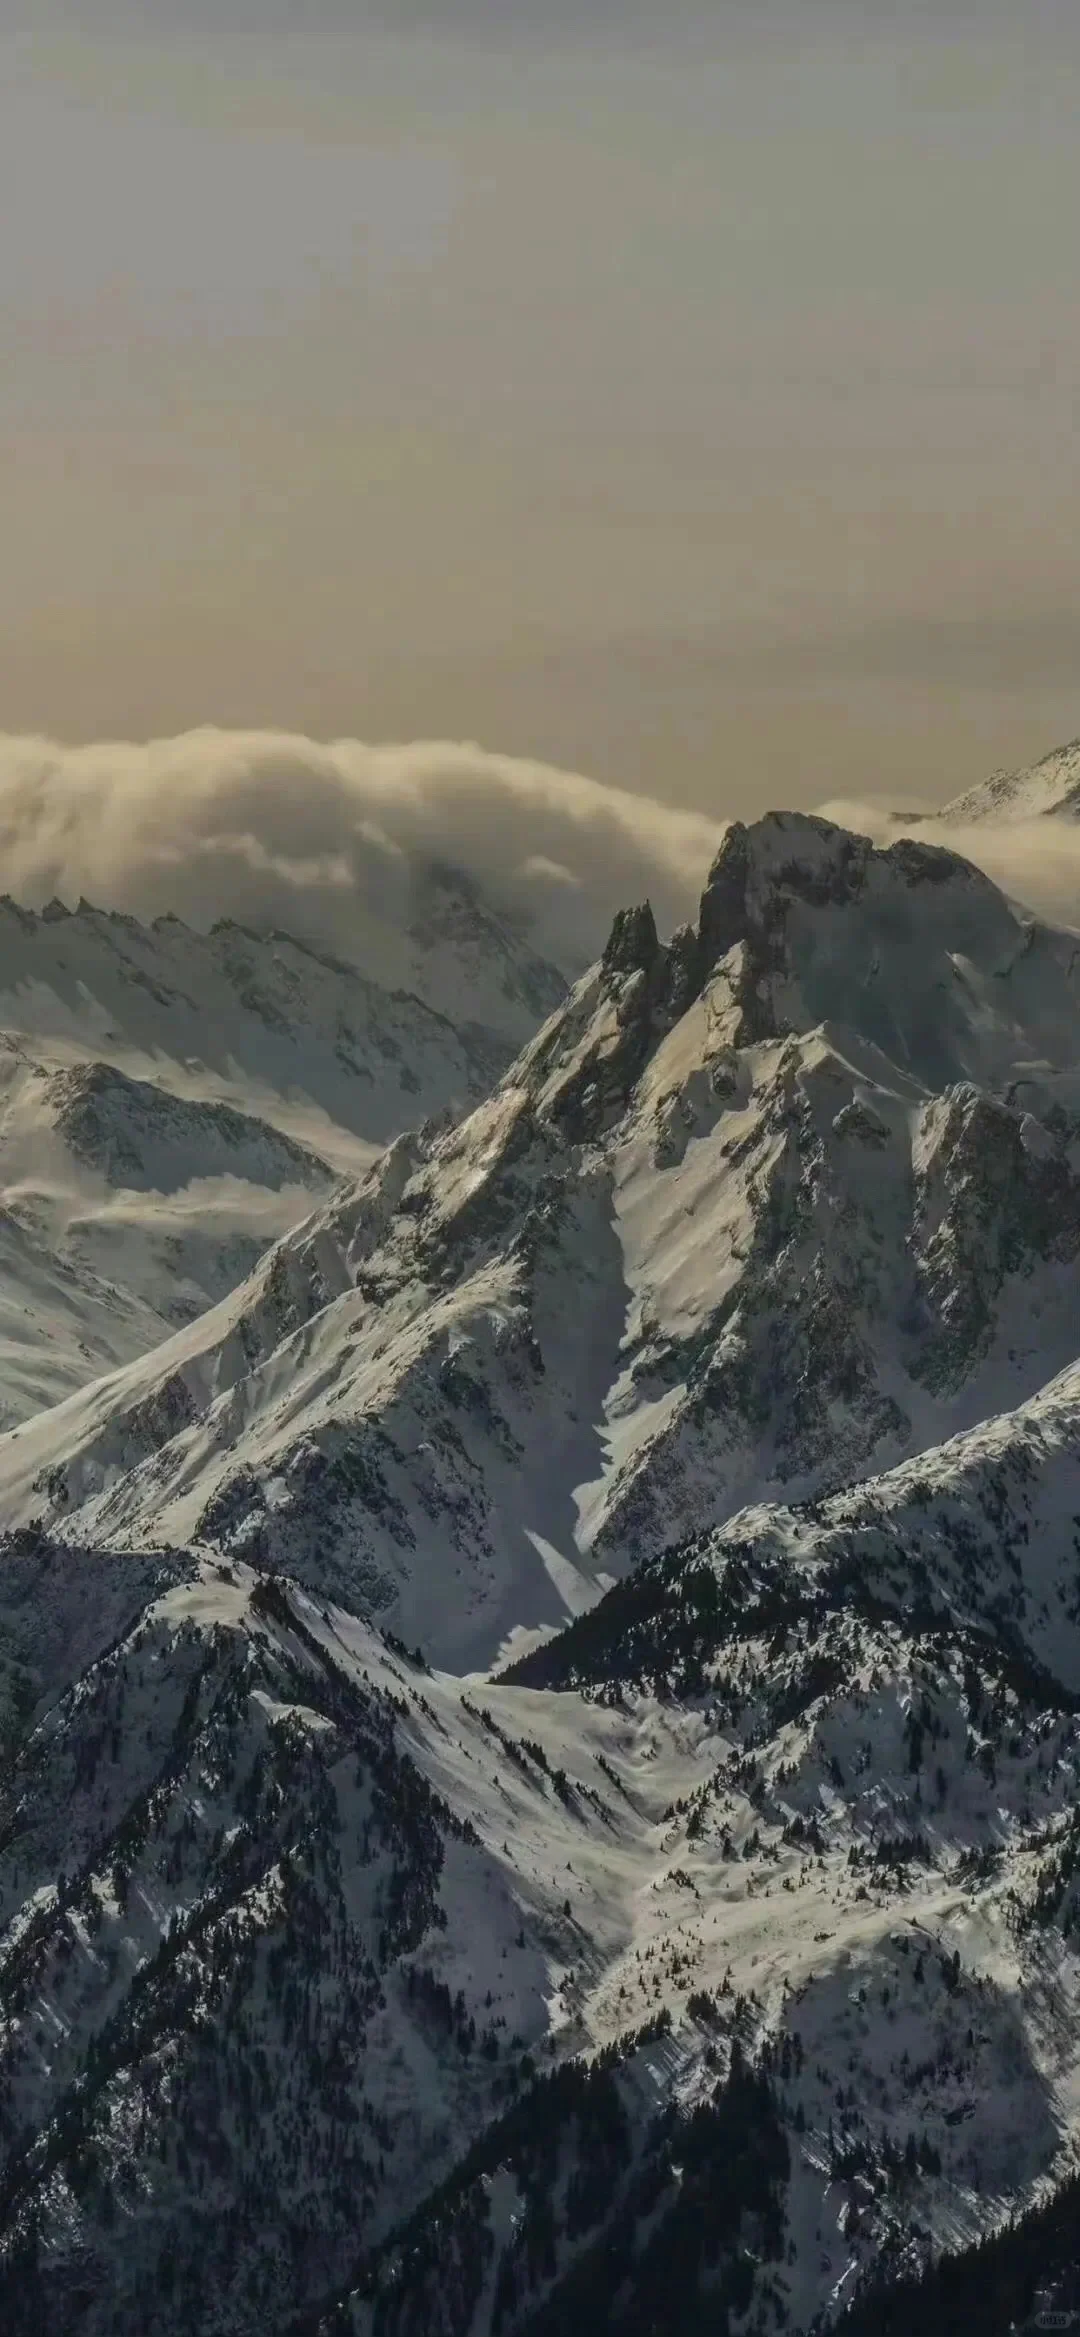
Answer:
(706, 1241)
(293, 1929)
(980, 1534)
(1047, 789)
(124, 1210)
(266, 1023)
(172, 1102)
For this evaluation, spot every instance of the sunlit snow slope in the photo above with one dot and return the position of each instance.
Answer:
(1049, 788)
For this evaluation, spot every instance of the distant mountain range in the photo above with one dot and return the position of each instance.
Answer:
(540, 1712)
(1049, 789)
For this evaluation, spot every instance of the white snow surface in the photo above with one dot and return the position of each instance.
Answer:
(1049, 788)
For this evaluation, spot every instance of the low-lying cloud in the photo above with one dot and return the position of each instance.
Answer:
(284, 830)
(321, 838)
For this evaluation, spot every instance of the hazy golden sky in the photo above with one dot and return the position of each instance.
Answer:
(686, 393)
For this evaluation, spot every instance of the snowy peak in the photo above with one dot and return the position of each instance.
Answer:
(269, 1024)
(1049, 789)
(474, 962)
(911, 946)
(912, 950)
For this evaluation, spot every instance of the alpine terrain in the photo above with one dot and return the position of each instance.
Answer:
(540, 1635)
(171, 1101)
(1048, 789)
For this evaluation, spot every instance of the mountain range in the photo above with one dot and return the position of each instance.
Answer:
(540, 1690)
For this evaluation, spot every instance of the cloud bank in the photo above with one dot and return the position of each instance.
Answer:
(329, 839)
(275, 829)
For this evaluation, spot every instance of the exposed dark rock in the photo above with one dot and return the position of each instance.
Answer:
(633, 944)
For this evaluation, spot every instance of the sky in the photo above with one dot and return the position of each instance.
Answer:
(686, 394)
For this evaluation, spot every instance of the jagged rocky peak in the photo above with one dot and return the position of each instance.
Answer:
(912, 946)
(789, 857)
(789, 853)
(804, 924)
(633, 945)
(662, 979)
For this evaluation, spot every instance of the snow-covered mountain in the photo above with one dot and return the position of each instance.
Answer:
(756, 1211)
(700, 1963)
(1049, 788)
(319, 1047)
(722, 1955)
(171, 1102)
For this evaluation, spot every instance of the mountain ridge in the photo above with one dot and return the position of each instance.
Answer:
(1048, 789)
